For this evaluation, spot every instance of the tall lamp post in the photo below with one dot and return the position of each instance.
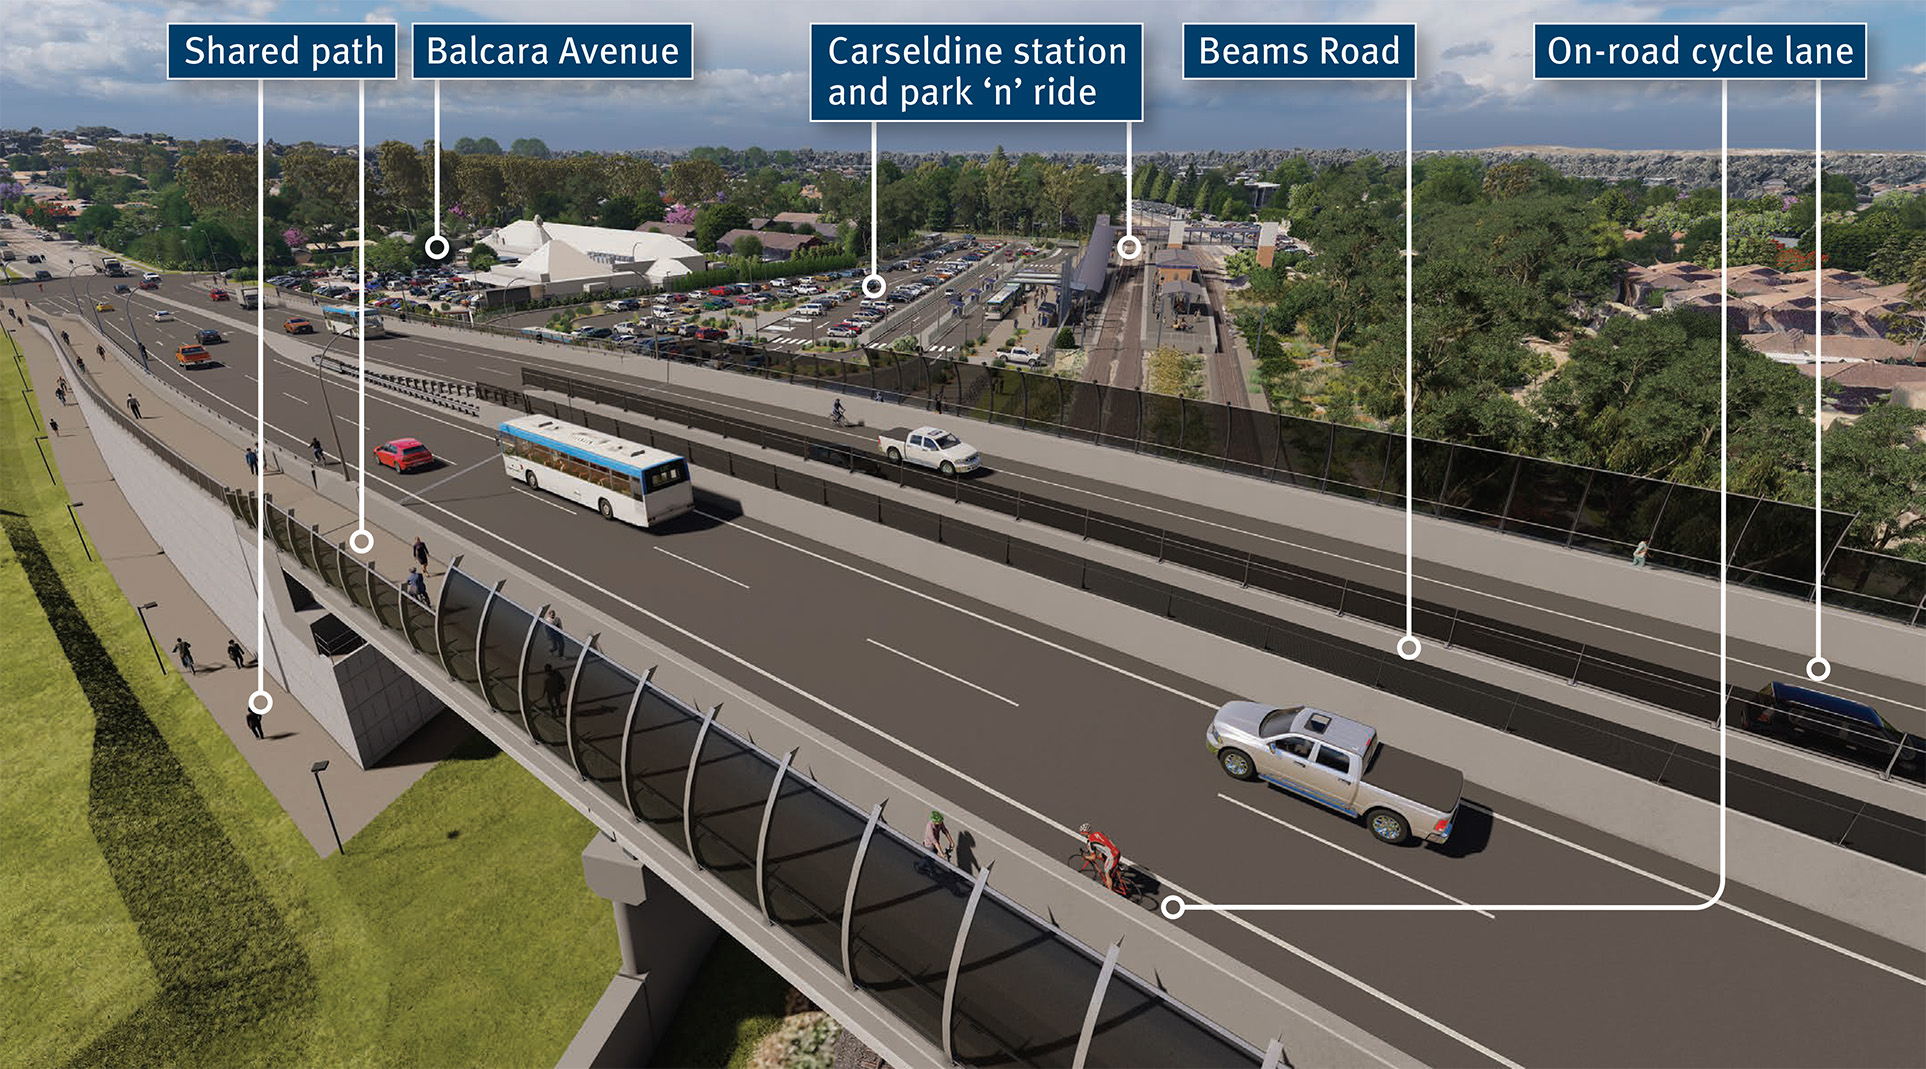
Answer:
(142, 609)
(318, 768)
(75, 294)
(327, 405)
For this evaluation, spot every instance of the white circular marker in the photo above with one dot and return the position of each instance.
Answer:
(260, 702)
(1130, 246)
(361, 541)
(873, 286)
(436, 247)
(1409, 647)
(1818, 669)
(1172, 907)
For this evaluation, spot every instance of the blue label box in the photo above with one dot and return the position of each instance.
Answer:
(1300, 50)
(976, 72)
(520, 51)
(1739, 51)
(278, 51)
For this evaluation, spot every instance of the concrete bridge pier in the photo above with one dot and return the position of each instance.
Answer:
(663, 939)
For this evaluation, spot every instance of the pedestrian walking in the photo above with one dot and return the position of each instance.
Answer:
(1638, 555)
(253, 461)
(61, 384)
(54, 426)
(133, 405)
(254, 724)
(554, 688)
(186, 653)
(320, 455)
(417, 585)
(236, 654)
(553, 620)
(420, 550)
(81, 363)
(60, 394)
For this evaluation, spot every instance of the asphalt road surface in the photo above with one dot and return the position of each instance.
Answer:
(1005, 716)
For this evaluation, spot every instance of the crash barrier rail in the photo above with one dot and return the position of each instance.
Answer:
(1581, 508)
(1577, 663)
(454, 396)
(1836, 818)
(968, 968)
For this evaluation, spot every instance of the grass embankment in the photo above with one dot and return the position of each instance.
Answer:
(162, 909)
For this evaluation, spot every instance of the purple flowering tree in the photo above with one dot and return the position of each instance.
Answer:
(679, 213)
(294, 237)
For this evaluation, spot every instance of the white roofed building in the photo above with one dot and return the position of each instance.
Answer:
(564, 258)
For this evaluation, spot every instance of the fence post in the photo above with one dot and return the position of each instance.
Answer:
(1342, 591)
(1576, 665)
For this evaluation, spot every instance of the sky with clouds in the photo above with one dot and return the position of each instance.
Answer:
(102, 63)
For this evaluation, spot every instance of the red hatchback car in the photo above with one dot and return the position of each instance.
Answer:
(404, 454)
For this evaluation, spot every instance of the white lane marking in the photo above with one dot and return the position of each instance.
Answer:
(292, 397)
(1034, 814)
(704, 567)
(1740, 910)
(1381, 996)
(1165, 687)
(710, 403)
(536, 494)
(944, 674)
(1380, 866)
(1064, 829)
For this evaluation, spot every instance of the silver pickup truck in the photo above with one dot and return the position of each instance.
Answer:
(1338, 762)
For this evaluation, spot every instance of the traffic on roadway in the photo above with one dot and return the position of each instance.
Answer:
(1039, 729)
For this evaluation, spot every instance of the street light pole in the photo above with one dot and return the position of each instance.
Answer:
(327, 405)
(71, 269)
(318, 768)
(142, 609)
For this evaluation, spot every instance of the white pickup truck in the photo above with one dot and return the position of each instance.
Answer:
(1338, 762)
(931, 447)
(1017, 354)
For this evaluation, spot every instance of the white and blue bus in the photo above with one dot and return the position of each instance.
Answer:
(345, 320)
(620, 479)
(1000, 306)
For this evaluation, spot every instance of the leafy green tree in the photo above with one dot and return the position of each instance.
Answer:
(95, 220)
(481, 256)
(533, 147)
(1642, 397)
(714, 220)
(1876, 467)
(693, 181)
(1443, 180)
(748, 249)
(478, 146)
(393, 254)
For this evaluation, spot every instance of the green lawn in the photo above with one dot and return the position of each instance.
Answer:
(160, 907)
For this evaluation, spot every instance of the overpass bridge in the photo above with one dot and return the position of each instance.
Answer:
(1251, 951)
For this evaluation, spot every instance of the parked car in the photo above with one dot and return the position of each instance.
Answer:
(711, 334)
(297, 325)
(403, 455)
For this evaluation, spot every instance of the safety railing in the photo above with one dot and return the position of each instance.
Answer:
(1837, 818)
(1586, 509)
(971, 970)
(1574, 662)
(455, 396)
